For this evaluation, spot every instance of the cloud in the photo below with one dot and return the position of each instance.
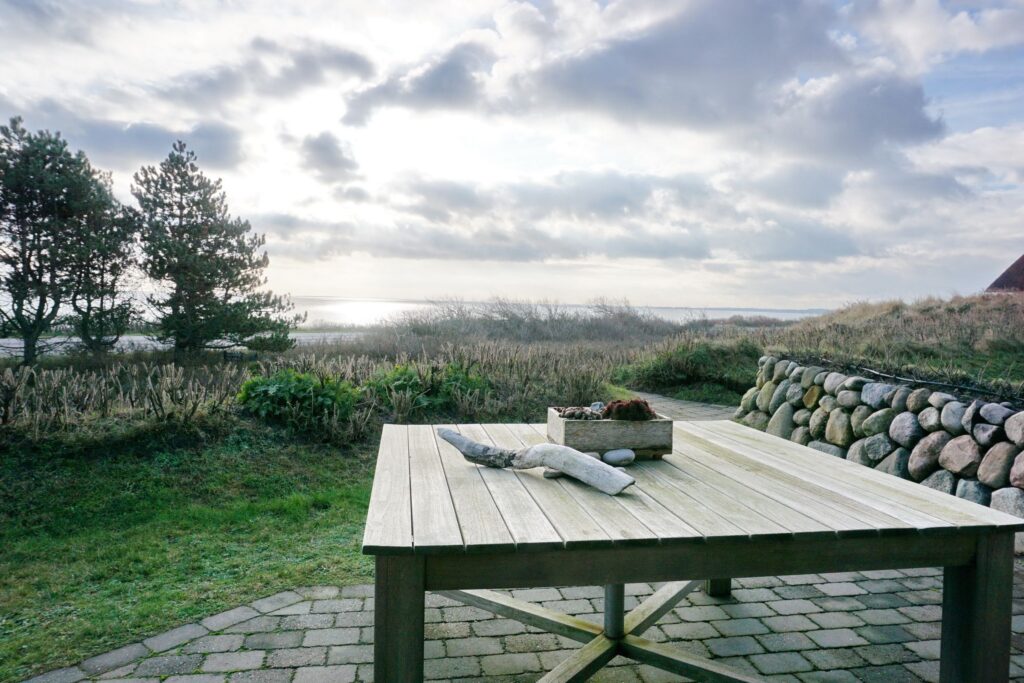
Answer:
(453, 81)
(269, 69)
(127, 144)
(324, 155)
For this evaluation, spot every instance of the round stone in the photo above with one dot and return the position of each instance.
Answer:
(828, 403)
(855, 383)
(952, 417)
(995, 467)
(871, 450)
(807, 378)
(899, 398)
(1014, 427)
(930, 419)
(924, 459)
(781, 424)
(994, 413)
(817, 423)
(918, 400)
(1017, 472)
(833, 381)
(819, 379)
(874, 394)
(812, 396)
(619, 457)
(941, 480)
(961, 455)
(779, 396)
(828, 448)
(795, 395)
(838, 430)
(940, 398)
(780, 371)
(801, 435)
(971, 416)
(878, 422)
(974, 491)
(764, 396)
(896, 464)
(756, 419)
(749, 400)
(848, 399)
(986, 434)
(857, 417)
(802, 417)
(906, 430)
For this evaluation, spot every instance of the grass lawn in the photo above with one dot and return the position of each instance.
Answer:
(110, 541)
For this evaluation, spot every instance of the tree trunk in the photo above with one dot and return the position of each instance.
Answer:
(30, 349)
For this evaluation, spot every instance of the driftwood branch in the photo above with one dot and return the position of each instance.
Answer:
(590, 471)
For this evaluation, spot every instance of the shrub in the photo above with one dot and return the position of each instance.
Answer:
(300, 400)
(418, 388)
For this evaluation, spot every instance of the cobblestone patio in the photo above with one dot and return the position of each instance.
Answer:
(870, 626)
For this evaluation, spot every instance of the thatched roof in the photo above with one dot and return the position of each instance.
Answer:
(1012, 280)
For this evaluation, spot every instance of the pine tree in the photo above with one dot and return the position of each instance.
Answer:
(47, 194)
(209, 264)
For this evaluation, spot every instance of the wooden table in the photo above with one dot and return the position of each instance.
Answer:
(729, 502)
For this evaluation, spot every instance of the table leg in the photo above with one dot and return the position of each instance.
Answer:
(718, 588)
(614, 610)
(976, 609)
(398, 619)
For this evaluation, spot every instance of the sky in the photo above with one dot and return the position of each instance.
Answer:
(748, 153)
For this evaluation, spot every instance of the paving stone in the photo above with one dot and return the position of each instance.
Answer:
(787, 607)
(748, 609)
(466, 647)
(797, 622)
(331, 636)
(885, 674)
(432, 649)
(697, 630)
(578, 606)
(301, 622)
(297, 608)
(464, 613)
(502, 665)
(175, 637)
(927, 649)
(740, 664)
(121, 672)
(800, 579)
(444, 631)
(345, 673)
(754, 594)
(780, 663)
(926, 671)
(549, 660)
(497, 627)
(739, 627)
(257, 625)
(360, 591)
(885, 634)
(798, 592)
(927, 597)
(168, 665)
(881, 586)
(319, 592)
(921, 583)
(881, 617)
(366, 635)
(581, 592)
(923, 612)
(234, 661)
(843, 576)
(531, 642)
(841, 604)
(276, 601)
(704, 613)
(834, 658)
(272, 641)
(838, 676)
(785, 642)
(68, 674)
(840, 588)
(152, 679)
(836, 619)
(883, 601)
(114, 658)
(732, 647)
(350, 654)
(262, 676)
(836, 637)
(196, 678)
(298, 656)
(221, 621)
(929, 630)
(545, 594)
(342, 605)
(886, 654)
(218, 643)
(351, 618)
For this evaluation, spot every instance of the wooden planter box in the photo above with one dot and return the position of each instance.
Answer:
(648, 439)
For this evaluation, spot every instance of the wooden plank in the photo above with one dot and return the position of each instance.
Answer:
(647, 613)
(763, 556)
(528, 613)
(659, 519)
(793, 521)
(389, 519)
(816, 471)
(574, 524)
(693, 512)
(523, 517)
(766, 468)
(849, 479)
(435, 527)
(668, 658)
(480, 521)
(808, 500)
(976, 614)
(398, 626)
(955, 510)
(584, 662)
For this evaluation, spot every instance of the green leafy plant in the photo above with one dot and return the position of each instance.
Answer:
(300, 400)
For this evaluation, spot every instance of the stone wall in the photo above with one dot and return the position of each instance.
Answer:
(968, 448)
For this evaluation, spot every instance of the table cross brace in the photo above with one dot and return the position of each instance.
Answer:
(616, 638)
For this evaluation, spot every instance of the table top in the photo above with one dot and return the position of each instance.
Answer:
(723, 480)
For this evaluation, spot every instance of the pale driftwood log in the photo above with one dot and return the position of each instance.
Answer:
(590, 471)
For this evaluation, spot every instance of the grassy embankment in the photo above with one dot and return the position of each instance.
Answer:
(120, 517)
